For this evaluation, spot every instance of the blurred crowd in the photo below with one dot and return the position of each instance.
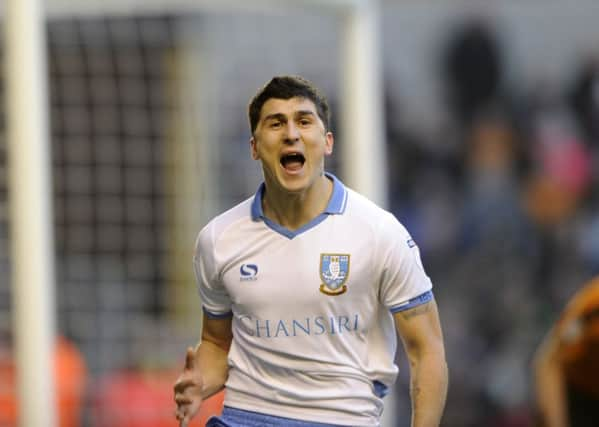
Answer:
(503, 203)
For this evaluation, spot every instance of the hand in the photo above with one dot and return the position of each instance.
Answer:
(188, 390)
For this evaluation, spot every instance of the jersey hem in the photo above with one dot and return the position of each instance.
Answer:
(316, 415)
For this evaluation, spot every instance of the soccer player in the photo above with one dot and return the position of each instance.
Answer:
(305, 287)
(566, 365)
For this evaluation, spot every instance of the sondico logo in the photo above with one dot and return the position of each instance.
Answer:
(248, 272)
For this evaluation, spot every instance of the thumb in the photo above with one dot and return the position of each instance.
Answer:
(190, 358)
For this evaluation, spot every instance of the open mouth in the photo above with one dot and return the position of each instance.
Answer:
(293, 161)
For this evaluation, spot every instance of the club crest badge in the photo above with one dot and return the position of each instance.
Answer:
(334, 271)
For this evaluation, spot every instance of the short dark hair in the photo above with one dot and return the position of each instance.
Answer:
(287, 87)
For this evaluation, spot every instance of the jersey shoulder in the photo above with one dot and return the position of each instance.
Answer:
(225, 222)
(362, 209)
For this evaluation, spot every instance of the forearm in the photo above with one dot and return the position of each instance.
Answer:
(420, 331)
(551, 393)
(428, 389)
(212, 363)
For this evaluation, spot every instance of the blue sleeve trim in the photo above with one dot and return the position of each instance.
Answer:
(419, 300)
(217, 315)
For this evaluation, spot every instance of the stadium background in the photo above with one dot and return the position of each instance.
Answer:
(496, 178)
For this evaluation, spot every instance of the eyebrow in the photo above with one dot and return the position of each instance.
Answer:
(281, 116)
(305, 113)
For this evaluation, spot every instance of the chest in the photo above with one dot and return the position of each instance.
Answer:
(319, 272)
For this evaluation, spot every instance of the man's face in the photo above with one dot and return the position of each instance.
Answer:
(291, 142)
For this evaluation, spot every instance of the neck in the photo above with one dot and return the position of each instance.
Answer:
(293, 210)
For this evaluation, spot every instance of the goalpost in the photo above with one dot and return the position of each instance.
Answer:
(30, 189)
(30, 194)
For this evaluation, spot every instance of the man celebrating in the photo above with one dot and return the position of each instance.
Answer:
(305, 287)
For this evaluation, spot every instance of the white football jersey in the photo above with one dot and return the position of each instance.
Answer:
(313, 332)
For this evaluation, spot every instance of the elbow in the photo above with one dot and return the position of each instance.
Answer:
(432, 352)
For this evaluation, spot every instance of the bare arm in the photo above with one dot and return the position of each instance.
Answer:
(206, 369)
(549, 383)
(549, 377)
(420, 331)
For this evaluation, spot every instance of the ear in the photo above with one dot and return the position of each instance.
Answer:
(254, 149)
(330, 141)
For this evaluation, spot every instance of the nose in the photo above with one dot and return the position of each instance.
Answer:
(292, 132)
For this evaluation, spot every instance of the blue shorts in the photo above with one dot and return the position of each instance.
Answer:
(232, 417)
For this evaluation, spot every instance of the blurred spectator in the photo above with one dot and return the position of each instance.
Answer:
(492, 212)
(562, 167)
(589, 241)
(496, 247)
(584, 98)
(473, 69)
(555, 185)
(566, 365)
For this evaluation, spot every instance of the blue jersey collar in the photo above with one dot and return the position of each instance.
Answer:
(336, 206)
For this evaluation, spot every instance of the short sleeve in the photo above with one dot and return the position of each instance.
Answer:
(215, 299)
(404, 282)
